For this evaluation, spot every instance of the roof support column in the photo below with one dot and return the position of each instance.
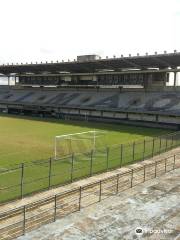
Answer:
(8, 80)
(175, 79)
(166, 79)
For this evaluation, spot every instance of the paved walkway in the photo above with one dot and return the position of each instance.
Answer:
(153, 206)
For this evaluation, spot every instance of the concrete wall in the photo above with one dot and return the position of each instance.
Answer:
(73, 111)
(167, 119)
(108, 114)
(84, 112)
(120, 115)
(134, 116)
(96, 113)
(148, 117)
(64, 110)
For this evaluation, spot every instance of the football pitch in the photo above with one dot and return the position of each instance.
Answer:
(31, 141)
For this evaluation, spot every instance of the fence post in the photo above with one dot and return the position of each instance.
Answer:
(153, 148)
(80, 195)
(117, 187)
(107, 158)
(166, 144)
(100, 190)
(155, 169)
(50, 167)
(24, 219)
(55, 207)
(160, 145)
(22, 179)
(132, 178)
(72, 167)
(121, 156)
(91, 163)
(144, 149)
(133, 150)
(144, 172)
(165, 164)
(174, 162)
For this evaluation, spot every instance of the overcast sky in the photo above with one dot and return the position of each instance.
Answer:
(40, 30)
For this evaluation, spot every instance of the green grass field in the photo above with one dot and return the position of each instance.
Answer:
(29, 139)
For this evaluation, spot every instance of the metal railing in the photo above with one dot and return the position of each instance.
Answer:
(18, 221)
(26, 178)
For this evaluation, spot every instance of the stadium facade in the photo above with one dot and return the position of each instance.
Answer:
(131, 90)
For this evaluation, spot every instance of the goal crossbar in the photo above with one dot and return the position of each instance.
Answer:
(80, 133)
(80, 136)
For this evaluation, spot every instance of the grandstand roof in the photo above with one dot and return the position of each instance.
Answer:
(160, 61)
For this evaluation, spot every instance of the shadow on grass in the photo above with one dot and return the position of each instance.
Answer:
(124, 128)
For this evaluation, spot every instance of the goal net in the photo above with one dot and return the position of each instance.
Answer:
(81, 142)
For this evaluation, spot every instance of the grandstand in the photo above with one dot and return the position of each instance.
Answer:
(133, 90)
(40, 159)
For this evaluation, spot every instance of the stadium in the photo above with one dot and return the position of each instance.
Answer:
(133, 89)
(62, 122)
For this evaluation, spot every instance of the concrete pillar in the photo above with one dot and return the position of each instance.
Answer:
(8, 80)
(166, 78)
(175, 78)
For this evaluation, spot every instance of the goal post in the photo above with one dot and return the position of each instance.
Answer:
(81, 142)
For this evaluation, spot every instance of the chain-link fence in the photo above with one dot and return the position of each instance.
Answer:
(27, 178)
